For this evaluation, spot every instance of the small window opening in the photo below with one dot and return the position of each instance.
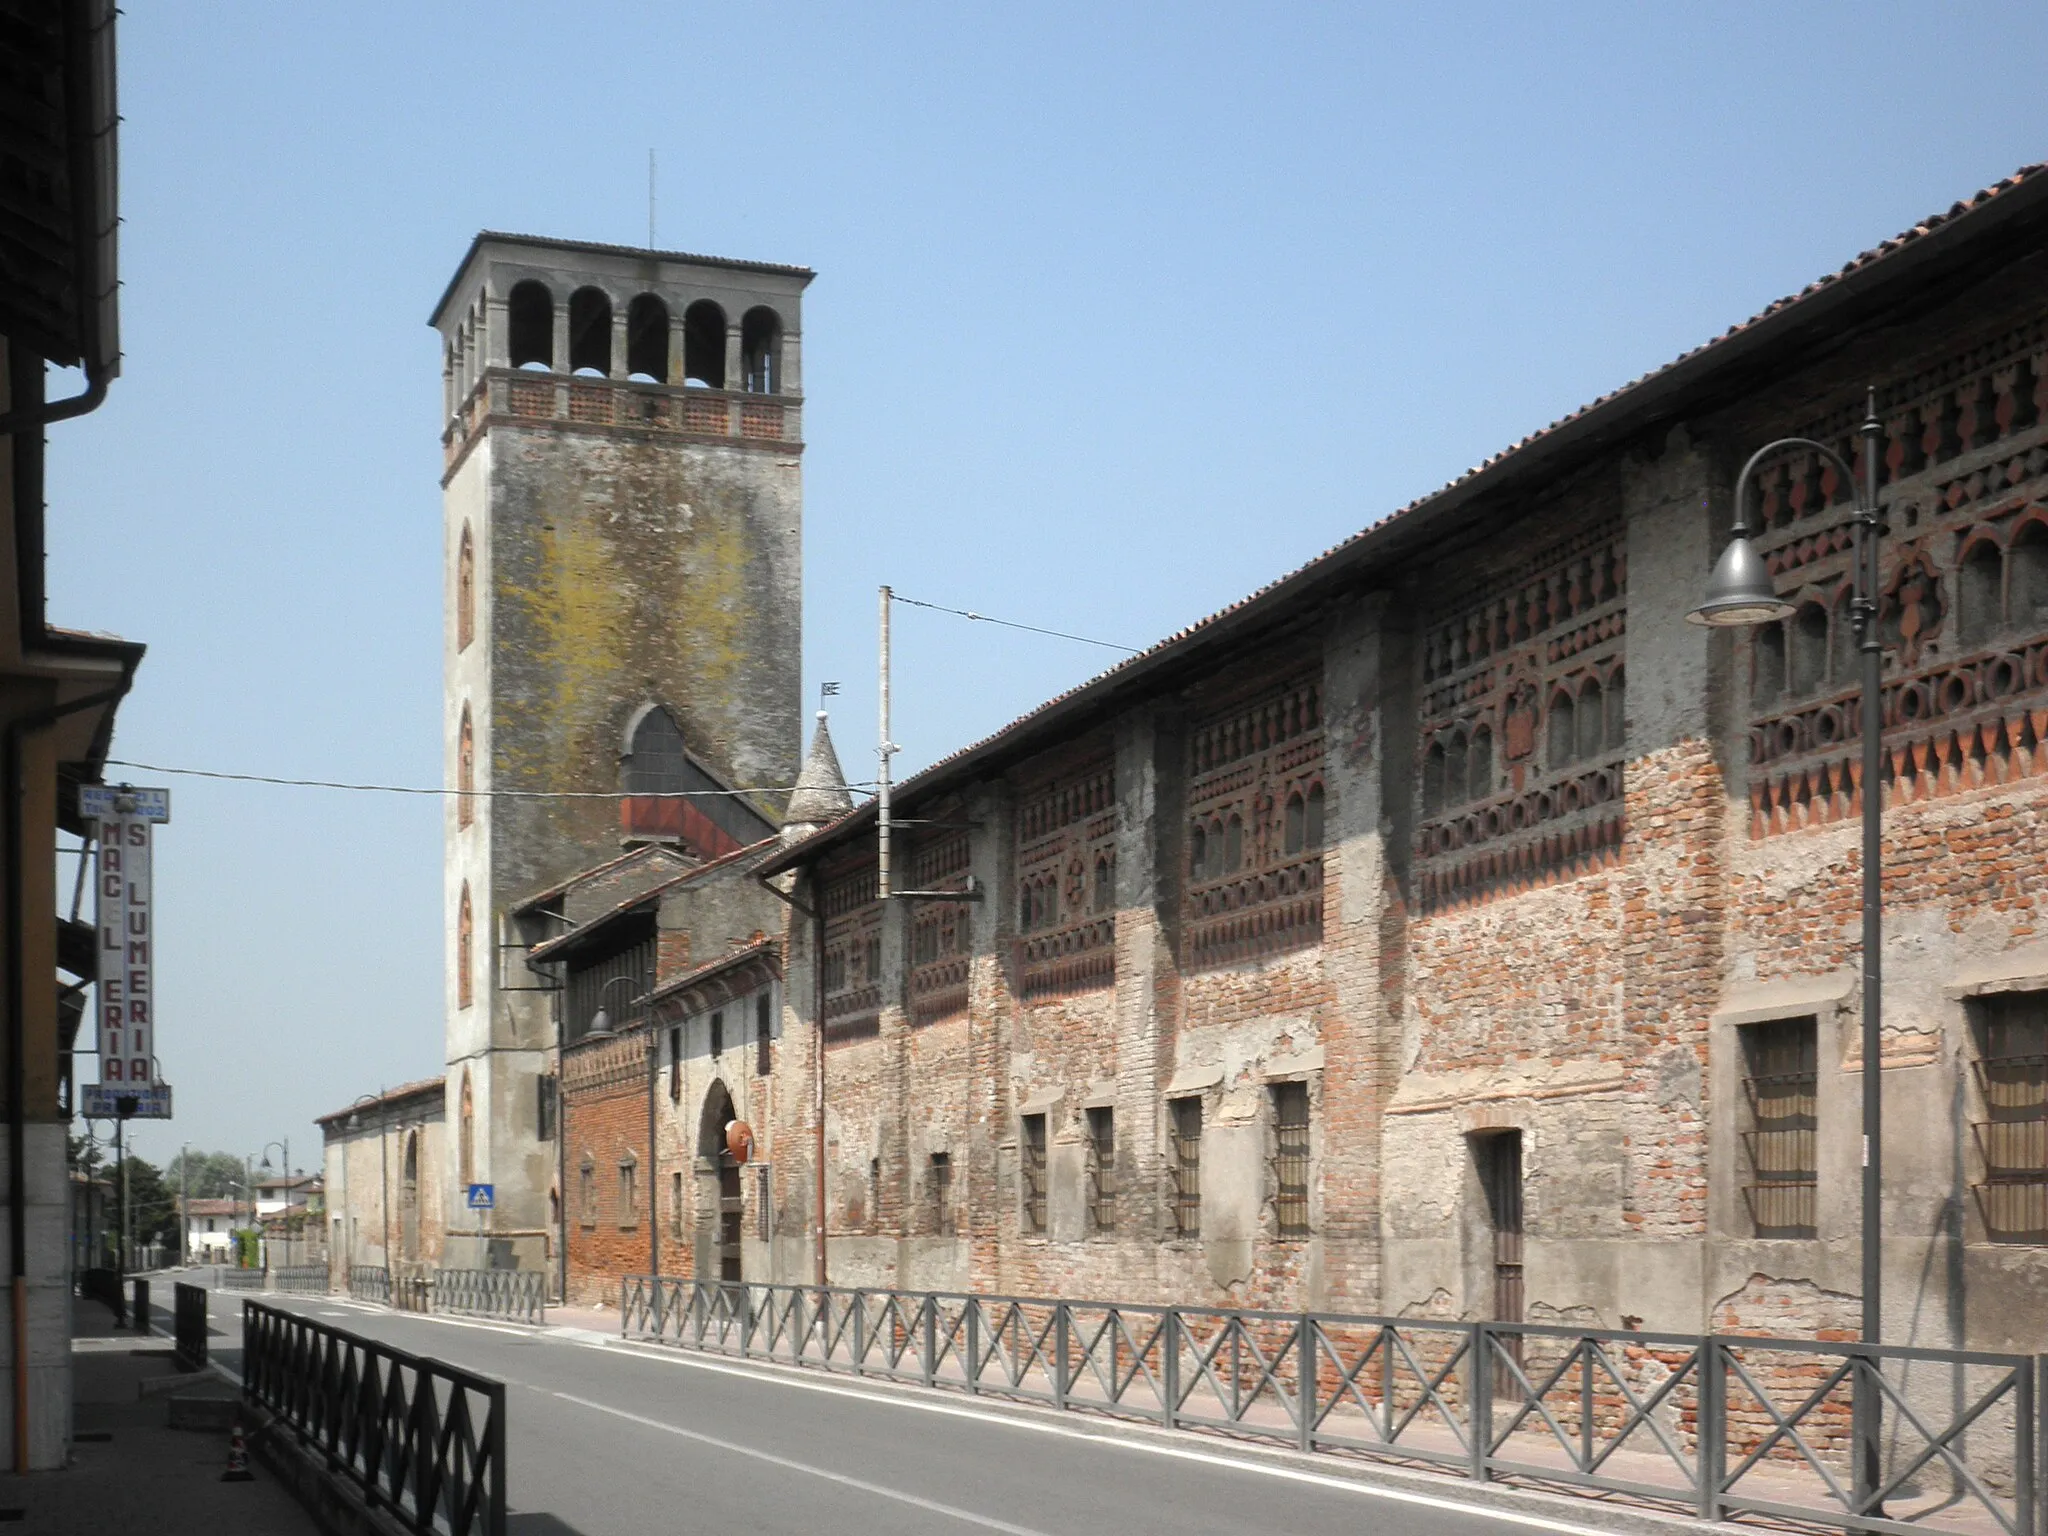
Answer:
(1198, 854)
(658, 763)
(1102, 1170)
(465, 591)
(1980, 585)
(530, 322)
(1290, 1158)
(1781, 1077)
(704, 345)
(586, 1192)
(1809, 660)
(718, 1034)
(1433, 766)
(675, 1064)
(1105, 883)
(629, 1190)
(545, 1106)
(1767, 667)
(874, 1194)
(1563, 731)
(761, 346)
(1592, 717)
(1312, 832)
(1187, 1167)
(590, 332)
(1479, 765)
(1233, 845)
(465, 772)
(1457, 766)
(1295, 835)
(763, 1037)
(675, 1203)
(2027, 607)
(1617, 711)
(1031, 1168)
(939, 1190)
(2012, 1068)
(647, 339)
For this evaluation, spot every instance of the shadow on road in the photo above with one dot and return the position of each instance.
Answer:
(539, 1524)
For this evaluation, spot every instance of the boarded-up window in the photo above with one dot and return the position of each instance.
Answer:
(2012, 1070)
(1780, 1063)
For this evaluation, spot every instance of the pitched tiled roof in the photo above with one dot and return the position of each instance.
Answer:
(390, 1097)
(571, 938)
(1658, 392)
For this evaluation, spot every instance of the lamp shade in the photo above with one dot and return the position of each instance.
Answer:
(600, 1024)
(1740, 590)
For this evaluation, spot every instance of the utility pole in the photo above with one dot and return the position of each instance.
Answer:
(883, 750)
(184, 1205)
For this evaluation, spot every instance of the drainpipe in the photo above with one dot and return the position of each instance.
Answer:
(818, 1069)
(17, 1036)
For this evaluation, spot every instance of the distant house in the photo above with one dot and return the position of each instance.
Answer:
(210, 1227)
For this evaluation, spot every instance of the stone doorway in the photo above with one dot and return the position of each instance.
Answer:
(723, 1172)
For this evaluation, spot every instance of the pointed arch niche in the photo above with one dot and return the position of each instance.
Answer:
(465, 946)
(465, 771)
(465, 590)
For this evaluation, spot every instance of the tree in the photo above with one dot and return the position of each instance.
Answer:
(152, 1205)
(208, 1175)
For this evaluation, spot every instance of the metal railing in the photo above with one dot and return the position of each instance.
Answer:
(189, 1330)
(300, 1279)
(242, 1279)
(423, 1439)
(370, 1282)
(1715, 1426)
(517, 1295)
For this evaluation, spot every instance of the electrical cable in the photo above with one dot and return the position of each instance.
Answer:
(982, 618)
(466, 794)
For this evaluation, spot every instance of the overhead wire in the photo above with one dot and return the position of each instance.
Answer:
(467, 794)
(982, 618)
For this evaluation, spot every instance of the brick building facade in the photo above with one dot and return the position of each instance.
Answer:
(1452, 929)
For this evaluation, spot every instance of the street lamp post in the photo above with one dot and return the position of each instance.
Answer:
(601, 1025)
(1740, 593)
(284, 1151)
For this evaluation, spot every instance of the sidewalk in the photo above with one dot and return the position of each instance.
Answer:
(130, 1472)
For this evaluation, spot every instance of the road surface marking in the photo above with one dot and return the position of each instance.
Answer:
(951, 1511)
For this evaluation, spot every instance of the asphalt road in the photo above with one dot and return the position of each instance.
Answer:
(628, 1440)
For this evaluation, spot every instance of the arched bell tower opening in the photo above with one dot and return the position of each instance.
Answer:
(623, 513)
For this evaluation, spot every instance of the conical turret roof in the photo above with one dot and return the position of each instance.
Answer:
(820, 795)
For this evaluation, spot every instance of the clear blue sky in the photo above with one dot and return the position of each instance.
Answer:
(1120, 313)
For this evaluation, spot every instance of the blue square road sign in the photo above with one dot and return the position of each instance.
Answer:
(480, 1197)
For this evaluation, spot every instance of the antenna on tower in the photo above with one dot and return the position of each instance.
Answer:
(650, 198)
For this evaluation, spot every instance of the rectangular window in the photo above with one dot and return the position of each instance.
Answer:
(764, 1209)
(1031, 1166)
(762, 1059)
(675, 1064)
(1187, 1167)
(1102, 1170)
(2012, 1073)
(1781, 1080)
(675, 1205)
(939, 1190)
(718, 1034)
(629, 1193)
(586, 1194)
(1290, 1158)
(874, 1194)
(544, 1107)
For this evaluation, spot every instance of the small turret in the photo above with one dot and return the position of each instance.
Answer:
(820, 796)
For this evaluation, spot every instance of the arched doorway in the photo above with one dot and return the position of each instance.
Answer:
(724, 1174)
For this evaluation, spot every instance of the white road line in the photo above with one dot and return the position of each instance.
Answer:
(1119, 1442)
(951, 1511)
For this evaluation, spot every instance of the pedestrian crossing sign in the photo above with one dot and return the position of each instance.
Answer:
(480, 1197)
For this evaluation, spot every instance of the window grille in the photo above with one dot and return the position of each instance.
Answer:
(764, 1209)
(763, 1060)
(1290, 1145)
(874, 1194)
(2012, 1074)
(1781, 1065)
(675, 1205)
(1032, 1164)
(656, 765)
(940, 1187)
(1187, 1167)
(1102, 1170)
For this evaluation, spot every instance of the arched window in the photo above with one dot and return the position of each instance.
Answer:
(657, 764)
(1808, 667)
(1980, 593)
(2027, 593)
(1295, 832)
(590, 332)
(1457, 765)
(1233, 845)
(530, 321)
(1478, 766)
(1433, 779)
(647, 339)
(464, 943)
(1617, 710)
(704, 345)
(467, 1125)
(1312, 833)
(465, 590)
(1105, 883)
(465, 772)
(761, 347)
(412, 1160)
(1767, 667)
(1198, 854)
(1591, 718)
(1563, 735)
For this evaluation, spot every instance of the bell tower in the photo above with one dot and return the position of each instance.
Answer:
(623, 510)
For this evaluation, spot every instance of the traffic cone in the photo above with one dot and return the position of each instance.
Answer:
(238, 1460)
